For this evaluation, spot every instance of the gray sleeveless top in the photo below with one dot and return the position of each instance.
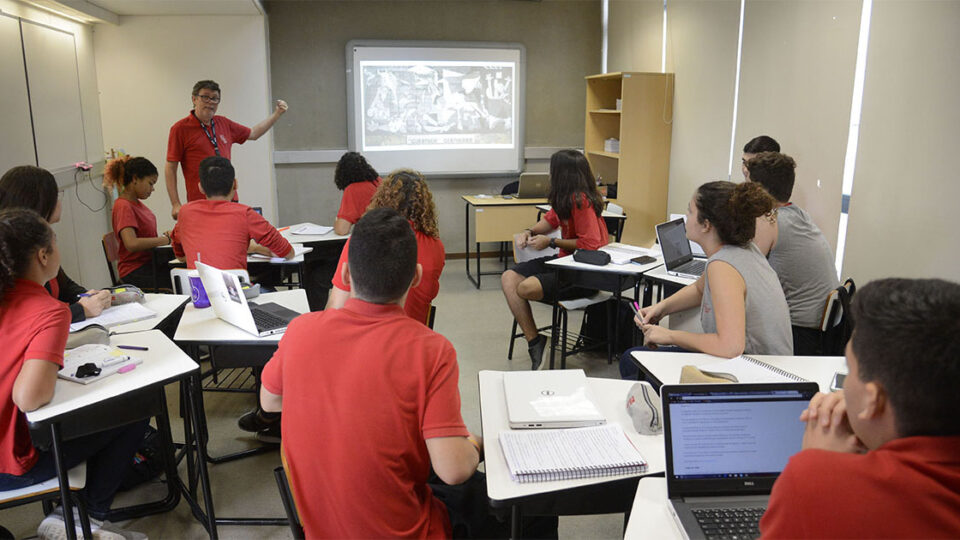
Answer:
(768, 317)
(804, 262)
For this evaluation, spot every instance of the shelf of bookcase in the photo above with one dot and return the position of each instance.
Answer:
(604, 154)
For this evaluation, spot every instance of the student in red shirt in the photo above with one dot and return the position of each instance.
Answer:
(35, 188)
(217, 231)
(370, 400)
(576, 210)
(35, 328)
(881, 458)
(203, 134)
(358, 181)
(406, 192)
(134, 224)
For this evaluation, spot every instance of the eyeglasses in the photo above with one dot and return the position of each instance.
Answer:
(209, 99)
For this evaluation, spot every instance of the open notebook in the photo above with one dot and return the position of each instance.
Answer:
(117, 315)
(566, 454)
(742, 369)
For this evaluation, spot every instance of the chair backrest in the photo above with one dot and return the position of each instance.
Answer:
(525, 254)
(431, 316)
(835, 323)
(287, 496)
(111, 252)
(180, 278)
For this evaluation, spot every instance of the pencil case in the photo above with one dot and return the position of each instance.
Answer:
(591, 256)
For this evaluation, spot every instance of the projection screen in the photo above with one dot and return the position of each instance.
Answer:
(443, 108)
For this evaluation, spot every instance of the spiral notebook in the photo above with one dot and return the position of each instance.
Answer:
(746, 369)
(567, 454)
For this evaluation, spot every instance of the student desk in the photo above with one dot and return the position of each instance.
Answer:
(609, 277)
(562, 497)
(650, 517)
(77, 410)
(240, 349)
(168, 308)
(497, 219)
(664, 367)
(320, 264)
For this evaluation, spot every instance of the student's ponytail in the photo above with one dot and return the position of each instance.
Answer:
(22, 233)
(121, 171)
(733, 209)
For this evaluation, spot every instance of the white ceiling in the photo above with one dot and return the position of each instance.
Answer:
(175, 7)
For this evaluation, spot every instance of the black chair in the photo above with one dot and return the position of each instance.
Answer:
(286, 496)
(836, 324)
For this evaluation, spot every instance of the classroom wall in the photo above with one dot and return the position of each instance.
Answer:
(147, 66)
(905, 192)
(85, 218)
(307, 41)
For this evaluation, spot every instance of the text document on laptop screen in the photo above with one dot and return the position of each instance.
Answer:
(722, 436)
(443, 108)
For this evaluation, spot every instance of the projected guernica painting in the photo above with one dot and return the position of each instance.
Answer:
(409, 105)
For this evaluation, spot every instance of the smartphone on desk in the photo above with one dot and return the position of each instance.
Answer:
(644, 259)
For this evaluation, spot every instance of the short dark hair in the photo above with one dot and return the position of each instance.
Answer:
(216, 176)
(27, 186)
(907, 338)
(353, 167)
(22, 233)
(382, 256)
(763, 143)
(205, 85)
(733, 209)
(775, 172)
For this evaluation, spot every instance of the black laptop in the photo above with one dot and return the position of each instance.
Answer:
(725, 446)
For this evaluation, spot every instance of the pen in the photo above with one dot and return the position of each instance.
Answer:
(84, 295)
(133, 347)
(281, 229)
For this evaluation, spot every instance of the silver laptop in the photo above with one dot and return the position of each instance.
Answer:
(725, 446)
(230, 305)
(677, 256)
(533, 185)
(550, 399)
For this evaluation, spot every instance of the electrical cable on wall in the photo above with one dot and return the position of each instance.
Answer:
(76, 179)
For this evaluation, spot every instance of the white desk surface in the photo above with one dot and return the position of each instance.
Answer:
(605, 213)
(611, 396)
(260, 260)
(629, 268)
(202, 325)
(666, 366)
(660, 274)
(650, 517)
(310, 238)
(163, 362)
(163, 304)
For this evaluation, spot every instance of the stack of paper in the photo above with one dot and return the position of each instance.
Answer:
(311, 229)
(623, 253)
(116, 315)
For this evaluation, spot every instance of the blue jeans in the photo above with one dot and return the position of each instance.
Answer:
(109, 455)
(629, 370)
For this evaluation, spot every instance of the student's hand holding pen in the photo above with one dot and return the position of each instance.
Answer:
(649, 315)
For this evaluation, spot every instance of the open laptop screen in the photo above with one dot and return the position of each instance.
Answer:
(674, 243)
(744, 433)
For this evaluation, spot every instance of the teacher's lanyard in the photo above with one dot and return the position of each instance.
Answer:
(213, 137)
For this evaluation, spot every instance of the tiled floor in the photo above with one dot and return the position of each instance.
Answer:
(477, 322)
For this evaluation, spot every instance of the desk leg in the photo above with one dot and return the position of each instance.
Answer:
(194, 388)
(65, 500)
(516, 522)
(554, 323)
(466, 245)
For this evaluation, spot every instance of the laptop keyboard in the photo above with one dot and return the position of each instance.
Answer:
(267, 321)
(694, 267)
(729, 523)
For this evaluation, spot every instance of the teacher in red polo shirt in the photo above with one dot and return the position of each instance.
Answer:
(203, 134)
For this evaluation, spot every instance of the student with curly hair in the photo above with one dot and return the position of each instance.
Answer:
(576, 208)
(358, 181)
(742, 307)
(405, 191)
(35, 188)
(35, 328)
(134, 225)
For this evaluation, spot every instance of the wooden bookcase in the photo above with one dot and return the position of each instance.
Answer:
(643, 125)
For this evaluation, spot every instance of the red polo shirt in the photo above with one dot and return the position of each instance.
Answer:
(189, 145)
(144, 223)
(356, 199)
(363, 388)
(34, 326)
(907, 488)
(430, 255)
(220, 232)
(584, 224)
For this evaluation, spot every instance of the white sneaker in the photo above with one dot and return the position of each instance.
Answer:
(53, 527)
